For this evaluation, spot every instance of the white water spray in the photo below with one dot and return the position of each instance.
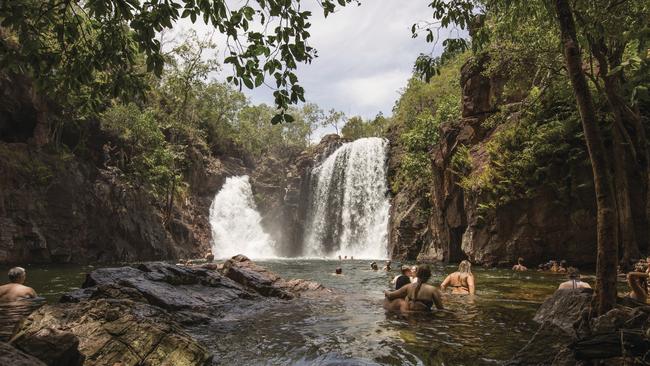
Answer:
(235, 222)
(348, 212)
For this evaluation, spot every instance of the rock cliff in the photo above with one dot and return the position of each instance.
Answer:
(443, 222)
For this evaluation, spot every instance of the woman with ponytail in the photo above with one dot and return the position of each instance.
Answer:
(417, 296)
(462, 281)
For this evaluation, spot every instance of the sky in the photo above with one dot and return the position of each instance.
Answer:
(365, 56)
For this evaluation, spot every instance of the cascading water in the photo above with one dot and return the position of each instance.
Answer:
(235, 222)
(348, 212)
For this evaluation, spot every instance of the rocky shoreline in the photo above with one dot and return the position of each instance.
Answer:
(149, 314)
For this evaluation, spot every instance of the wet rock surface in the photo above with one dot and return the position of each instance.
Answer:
(152, 313)
(568, 336)
(10, 355)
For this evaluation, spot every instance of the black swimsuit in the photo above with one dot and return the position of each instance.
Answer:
(427, 303)
(402, 281)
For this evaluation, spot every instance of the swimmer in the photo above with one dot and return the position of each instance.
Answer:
(351, 258)
(638, 282)
(374, 266)
(462, 281)
(387, 266)
(519, 267)
(403, 279)
(574, 282)
(338, 270)
(15, 290)
(339, 257)
(419, 296)
(562, 268)
(209, 257)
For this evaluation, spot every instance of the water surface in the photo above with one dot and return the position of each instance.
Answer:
(351, 328)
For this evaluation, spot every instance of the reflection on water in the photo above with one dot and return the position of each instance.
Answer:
(351, 327)
(11, 313)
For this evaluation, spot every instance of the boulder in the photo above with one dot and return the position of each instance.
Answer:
(546, 344)
(168, 286)
(108, 332)
(14, 357)
(243, 271)
(565, 309)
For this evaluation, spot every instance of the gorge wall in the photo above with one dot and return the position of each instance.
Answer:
(443, 222)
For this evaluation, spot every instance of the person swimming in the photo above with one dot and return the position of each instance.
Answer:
(338, 270)
(402, 279)
(419, 296)
(574, 282)
(15, 290)
(462, 281)
(519, 267)
(374, 266)
(387, 266)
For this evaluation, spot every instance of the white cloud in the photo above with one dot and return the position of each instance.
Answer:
(366, 55)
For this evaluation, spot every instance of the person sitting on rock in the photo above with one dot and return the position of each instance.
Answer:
(374, 266)
(403, 279)
(387, 266)
(462, 281)
(519, 267)
(574, 282)
(15, 290)
(638, 283)
(419, 296)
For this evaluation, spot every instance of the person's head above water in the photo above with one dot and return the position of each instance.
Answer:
(338, 270)
(465, 267)
(520, 260)
(406, 270)
(423, 273)
(573, 273)
(17, 275)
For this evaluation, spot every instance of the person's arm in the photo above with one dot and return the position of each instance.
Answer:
(470, 284)
(514, 268)
(437, 299)
(32, 293)
(445, 283)
(397, 294)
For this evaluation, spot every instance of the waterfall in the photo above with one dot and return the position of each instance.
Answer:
(348, 209)
(235, 222)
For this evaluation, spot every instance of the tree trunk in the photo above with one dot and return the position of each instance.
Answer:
(607, 256)
(626, 231)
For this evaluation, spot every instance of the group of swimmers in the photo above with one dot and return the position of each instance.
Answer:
(413, 293)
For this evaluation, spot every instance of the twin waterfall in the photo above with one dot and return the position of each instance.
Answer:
(347, 211)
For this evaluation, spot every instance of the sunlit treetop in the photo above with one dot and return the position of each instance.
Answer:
(67, 44)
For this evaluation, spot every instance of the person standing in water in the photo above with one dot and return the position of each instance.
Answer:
(403, 279)
(638, 282)
(519, 267)
(461, 282)
(15, 290)
(574, 282)
(419, 296)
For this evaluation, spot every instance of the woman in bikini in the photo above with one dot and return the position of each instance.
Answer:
(418, 296)
(461, 282)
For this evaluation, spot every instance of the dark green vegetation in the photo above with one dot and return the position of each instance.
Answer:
(573, 73)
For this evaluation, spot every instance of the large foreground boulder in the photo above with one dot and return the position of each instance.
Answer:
(108, 332)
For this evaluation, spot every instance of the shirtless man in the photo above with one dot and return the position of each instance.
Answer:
(519, 267)
(15, 290)
(574, 282)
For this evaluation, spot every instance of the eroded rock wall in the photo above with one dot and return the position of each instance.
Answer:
(444, 223)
